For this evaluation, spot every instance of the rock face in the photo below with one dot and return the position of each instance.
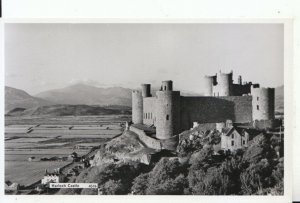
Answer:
(126, 147)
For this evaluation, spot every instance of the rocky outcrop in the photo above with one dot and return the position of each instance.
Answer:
(126, 147)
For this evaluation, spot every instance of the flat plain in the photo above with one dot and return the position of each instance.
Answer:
(46, 137)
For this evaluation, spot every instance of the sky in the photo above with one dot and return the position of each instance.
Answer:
(40, 57)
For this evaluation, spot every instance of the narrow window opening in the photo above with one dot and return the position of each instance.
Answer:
(244, 142)
(232, 136)
(257, 98)
(232, 143)
(257, 107)
(167, 117)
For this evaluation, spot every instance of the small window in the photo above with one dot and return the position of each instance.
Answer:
(165, 87)
(257, 107)
(167, 117)
(244, 142)
(232, 136)
(257, 98)
(145, 115)
(232, 143)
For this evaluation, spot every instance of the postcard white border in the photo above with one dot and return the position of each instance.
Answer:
(289, 120)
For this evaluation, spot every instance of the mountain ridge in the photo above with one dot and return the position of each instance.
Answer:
(85, 94)
(17, 98)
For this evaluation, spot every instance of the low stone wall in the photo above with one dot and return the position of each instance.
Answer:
(263, 124)
(171, 143)
(148, 141)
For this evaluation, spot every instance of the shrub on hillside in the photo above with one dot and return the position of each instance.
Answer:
(256, 177)
(113, 187)
(222, 180)
(140, 184)
(166, 178)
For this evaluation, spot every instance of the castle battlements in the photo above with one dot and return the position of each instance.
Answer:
(224, 100)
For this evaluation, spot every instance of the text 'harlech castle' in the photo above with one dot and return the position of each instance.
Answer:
(170, 113)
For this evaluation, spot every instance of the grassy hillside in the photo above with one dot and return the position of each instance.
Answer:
(16, 98)
(279, 99)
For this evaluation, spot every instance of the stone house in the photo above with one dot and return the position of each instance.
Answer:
(234, 138)
(55, 177)
(9, 186)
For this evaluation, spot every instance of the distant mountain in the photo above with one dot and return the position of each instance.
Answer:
(279, 99)
(70, 110)
(16, 98)
(89, 95)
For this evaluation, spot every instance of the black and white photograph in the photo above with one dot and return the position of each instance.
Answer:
(144, 109)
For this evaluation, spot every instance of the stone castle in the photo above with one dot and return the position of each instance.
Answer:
(170, 113)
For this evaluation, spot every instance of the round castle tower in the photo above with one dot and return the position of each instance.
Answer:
(167, 85)
(137, 107)
(167, 111)
(209, 82)
(263, 103)
(146, 90)
(224, 83)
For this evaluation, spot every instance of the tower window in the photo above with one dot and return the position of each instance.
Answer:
(167, 117)
(257, 98)
(165, 87)
(257, 107)
(145, 115)
(232, 143)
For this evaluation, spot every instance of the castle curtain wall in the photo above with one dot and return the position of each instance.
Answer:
(149, 113)
(215, 109)
(242, 108)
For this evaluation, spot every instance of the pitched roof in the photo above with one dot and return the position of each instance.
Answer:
(251, 131)
(227, 131)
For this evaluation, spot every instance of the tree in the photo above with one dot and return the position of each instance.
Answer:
(167, 178)
(256, 177)
(113, 187)
(140, 184)
(222, 180)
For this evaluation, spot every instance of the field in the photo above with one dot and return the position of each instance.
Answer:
(46, 137)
